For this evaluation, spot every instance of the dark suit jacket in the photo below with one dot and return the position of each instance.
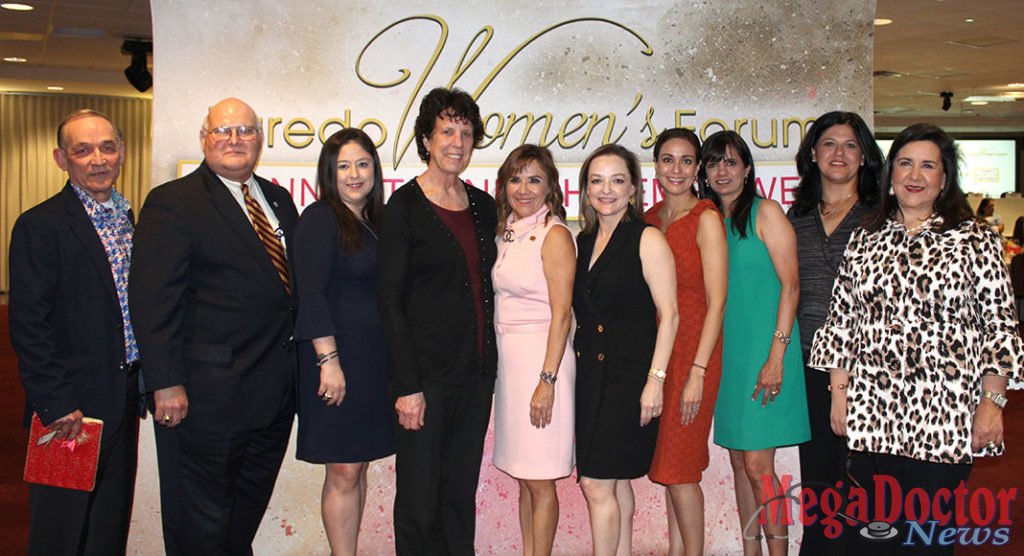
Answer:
(208, 308)
(425, 297)
(65, 318)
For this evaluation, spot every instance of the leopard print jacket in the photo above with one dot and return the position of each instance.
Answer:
(918, 320)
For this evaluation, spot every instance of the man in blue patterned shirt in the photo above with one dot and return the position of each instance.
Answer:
(71, 330)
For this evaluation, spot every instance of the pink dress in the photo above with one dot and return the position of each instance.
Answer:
(522, 316)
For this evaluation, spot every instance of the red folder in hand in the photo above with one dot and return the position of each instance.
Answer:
(64, 463)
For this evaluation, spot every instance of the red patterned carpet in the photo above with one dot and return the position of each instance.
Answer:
(992, 473)
(13, 492)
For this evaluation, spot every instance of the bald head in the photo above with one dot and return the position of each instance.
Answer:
(233, 107)
(227, 153)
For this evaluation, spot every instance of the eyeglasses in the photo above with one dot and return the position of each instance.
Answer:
(223, 133)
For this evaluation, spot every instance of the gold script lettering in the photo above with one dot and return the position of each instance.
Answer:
(472, 51)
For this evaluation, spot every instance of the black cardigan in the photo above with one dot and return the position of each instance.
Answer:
(425, 297)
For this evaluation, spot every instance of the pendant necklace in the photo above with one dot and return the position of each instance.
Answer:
(835, 206)
(369, 229)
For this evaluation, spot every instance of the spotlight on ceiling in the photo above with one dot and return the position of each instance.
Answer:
(137, 73)
(947, 100)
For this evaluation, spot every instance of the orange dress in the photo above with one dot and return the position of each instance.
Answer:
(681, 454)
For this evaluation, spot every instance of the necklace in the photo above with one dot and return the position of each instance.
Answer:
(369, 229)
(835, 206)
(922, 222)
(671, 216)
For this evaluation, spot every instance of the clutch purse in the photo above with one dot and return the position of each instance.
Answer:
(64, 463)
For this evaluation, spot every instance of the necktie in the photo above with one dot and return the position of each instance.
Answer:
(267, 236)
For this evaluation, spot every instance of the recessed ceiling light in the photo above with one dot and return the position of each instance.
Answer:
(969, 20)
(1015, 94)
(879, 21)
(980, 103)
(989, 98)
(16, 7)
(54, 88)
(15, 59)
(1016, 85)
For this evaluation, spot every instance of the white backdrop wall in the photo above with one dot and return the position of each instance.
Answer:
(571, 75)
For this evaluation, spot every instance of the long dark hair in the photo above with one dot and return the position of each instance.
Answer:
(685, 135)
(349, 233)
(951, 204)
(516, 161)
(635, 210)
(714, 150)
(808, 194)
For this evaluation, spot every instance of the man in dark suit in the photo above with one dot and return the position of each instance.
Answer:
(213, 312)
(70, 327)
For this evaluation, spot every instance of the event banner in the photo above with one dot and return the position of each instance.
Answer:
(570, 75)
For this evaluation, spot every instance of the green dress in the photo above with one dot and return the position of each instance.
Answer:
(747, 336)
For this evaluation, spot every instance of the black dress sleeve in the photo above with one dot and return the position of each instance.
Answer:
(314, 253)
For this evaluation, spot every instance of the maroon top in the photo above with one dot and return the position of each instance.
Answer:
(460, 224)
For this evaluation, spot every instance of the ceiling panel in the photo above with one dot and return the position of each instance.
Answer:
(916, 44)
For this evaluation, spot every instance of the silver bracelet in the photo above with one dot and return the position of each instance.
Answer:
(784, 338)
(322, 358)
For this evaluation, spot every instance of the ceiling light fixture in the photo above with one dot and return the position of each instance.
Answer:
(15, 7)
(15, 59)
(979, 103)
(1015, 85)
(880, 21)
(137, 73)
(54, 88)
(989, 98)
(969, 20)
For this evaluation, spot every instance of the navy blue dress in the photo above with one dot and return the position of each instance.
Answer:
(338, 296)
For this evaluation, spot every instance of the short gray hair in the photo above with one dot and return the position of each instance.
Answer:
(83, 113)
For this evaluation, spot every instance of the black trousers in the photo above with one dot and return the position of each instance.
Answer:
(437, 469)
(72, 522)
(215, 486)
(822, 460)
(910, 474)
